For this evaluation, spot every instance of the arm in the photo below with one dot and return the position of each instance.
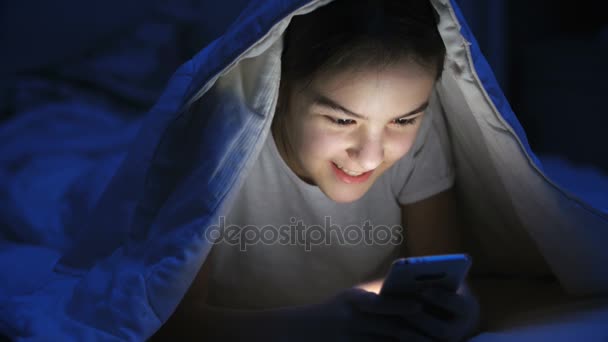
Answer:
(350, 314)
(432, 226)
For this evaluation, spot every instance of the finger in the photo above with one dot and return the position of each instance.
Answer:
(452, 304)
(430, 326)
(433, 322)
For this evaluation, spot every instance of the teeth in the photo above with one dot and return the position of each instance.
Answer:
(351, 173)
(348, 172)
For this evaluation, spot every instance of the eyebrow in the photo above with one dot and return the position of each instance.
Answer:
(324, 101)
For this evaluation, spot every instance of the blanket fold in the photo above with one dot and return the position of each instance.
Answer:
(125, 234)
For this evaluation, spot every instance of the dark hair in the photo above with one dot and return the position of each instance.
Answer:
(362, 33)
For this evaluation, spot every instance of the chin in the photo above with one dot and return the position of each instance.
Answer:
(344, 196)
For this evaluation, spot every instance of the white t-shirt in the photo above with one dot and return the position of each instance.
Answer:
(292, 245)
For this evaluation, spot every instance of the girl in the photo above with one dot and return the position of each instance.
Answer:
(356, 155)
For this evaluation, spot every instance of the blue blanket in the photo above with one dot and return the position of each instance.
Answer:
(104, 203)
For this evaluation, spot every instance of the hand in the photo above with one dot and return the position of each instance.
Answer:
(358, 315)
(446, 316)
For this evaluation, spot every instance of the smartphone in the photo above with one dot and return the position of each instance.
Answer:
(409, 275)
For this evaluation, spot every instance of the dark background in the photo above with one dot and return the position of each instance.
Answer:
(549, 56)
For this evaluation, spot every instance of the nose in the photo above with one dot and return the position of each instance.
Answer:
(368, 152)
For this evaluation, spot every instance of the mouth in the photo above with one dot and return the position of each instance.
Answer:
(350, 177)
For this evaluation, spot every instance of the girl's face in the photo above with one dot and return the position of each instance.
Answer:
(347, 128)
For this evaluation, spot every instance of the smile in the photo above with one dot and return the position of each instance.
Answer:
(350, 177)
(349, 172)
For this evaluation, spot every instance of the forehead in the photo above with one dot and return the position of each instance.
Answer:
(401, 85)
(403, 68)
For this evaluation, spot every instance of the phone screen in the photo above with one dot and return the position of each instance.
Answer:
(409, 275)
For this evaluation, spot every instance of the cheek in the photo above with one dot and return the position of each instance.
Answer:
(317, 143)
(398, 146)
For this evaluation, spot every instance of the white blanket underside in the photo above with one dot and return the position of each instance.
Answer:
(519, 222)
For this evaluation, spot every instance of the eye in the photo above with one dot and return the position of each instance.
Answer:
(405, 121)
(340, 122)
